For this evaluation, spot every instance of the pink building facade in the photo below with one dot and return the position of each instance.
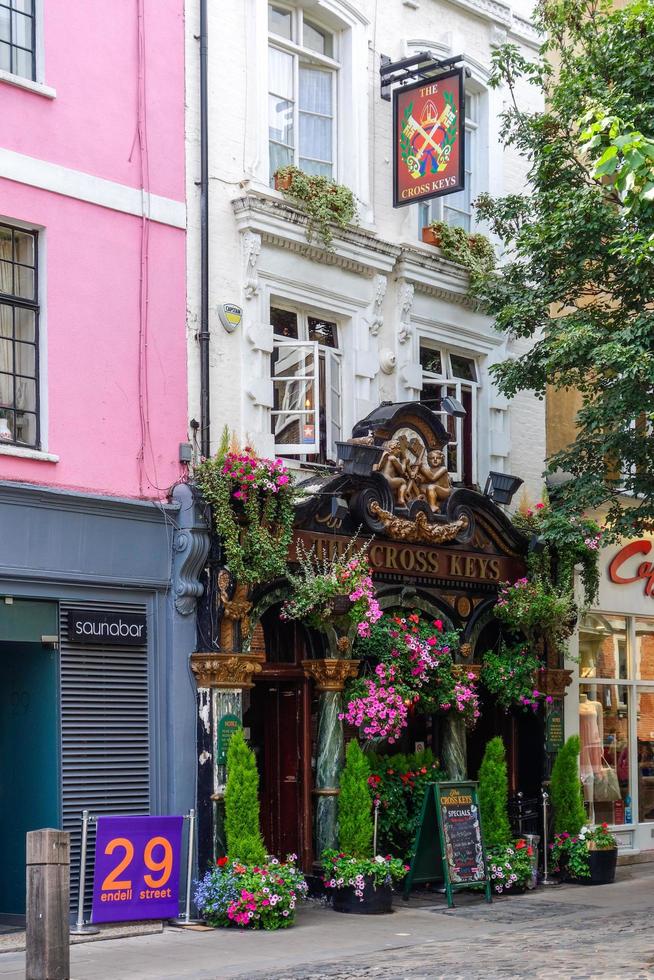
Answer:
(101, 543)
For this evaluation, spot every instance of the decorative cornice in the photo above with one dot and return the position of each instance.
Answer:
(554, 680)
(502, 13)
(32, 495)
(278, 223)
(331, 674)
(230, 670)
(435, 276)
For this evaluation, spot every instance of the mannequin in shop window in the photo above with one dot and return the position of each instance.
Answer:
(591, 737)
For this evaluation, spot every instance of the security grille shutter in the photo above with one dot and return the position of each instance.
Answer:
(104, 734)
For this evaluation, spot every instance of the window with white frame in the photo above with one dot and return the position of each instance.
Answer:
(449, 373)
(302, 82)
(18, 37)
(306, 368)
(19, 326)
(456, 209)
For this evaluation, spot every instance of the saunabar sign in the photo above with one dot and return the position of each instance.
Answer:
(100, 626)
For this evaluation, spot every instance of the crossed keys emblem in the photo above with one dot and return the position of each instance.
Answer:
(442, 154)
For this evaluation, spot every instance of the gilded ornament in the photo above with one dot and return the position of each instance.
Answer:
(331, 674)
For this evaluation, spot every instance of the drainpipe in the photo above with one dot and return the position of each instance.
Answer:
(205, 405)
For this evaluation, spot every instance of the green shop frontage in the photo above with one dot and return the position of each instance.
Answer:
(297, 677)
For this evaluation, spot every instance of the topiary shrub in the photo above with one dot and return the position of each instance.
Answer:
(494, 795)
(354, 805)
(244, 841)
(565, 788)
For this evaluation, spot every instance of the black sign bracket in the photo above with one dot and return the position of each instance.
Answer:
(422, 66)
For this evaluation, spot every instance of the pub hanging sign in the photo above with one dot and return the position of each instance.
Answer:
(428, 139)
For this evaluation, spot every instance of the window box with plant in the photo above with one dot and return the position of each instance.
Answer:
(473, 251)
(362, 883)
(325, 203)
(252, 502)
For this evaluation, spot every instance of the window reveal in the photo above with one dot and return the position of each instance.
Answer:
(17, 37)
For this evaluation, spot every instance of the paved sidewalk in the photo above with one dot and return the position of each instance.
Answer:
(565, 932)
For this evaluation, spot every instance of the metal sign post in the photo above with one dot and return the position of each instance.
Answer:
(546, 878)
(81, 928)
(185, 918)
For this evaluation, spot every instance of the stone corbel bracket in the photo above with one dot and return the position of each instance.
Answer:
(190, 550)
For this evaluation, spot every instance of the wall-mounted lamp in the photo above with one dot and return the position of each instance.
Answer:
(500, 487)
(452, 406)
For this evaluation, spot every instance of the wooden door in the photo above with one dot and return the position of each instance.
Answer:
(282, 790)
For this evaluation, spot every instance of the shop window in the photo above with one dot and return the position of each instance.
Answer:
(302, 82)
(644, 629)
(645, 757)
(18, 37)
(446, 372)
(306, 367)
(19, 315)
(456, 209)
(604, 757)
(603, 646)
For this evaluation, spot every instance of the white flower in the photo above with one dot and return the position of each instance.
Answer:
(380, 860)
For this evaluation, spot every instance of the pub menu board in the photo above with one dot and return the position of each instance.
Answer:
(464, 850)
(449, 846)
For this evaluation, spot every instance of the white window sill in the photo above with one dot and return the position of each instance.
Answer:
(38, 88)
(23, 453)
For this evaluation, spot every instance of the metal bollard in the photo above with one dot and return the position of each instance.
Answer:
(185, 918)
(81, 928)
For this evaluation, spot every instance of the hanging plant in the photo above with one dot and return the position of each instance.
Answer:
(410, 663)
(333, 591)
(252, 502)
(564, 542)
(324, 202)
(536, 609)
(474, 252)
(510, 674)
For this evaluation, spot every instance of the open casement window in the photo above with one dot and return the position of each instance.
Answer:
(446, 373)
(295, 397)
(456, 209)
(302, 78)
(307, 416)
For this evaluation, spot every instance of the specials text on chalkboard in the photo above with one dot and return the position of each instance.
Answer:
(464, 850)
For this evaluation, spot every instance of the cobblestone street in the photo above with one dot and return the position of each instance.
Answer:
(567, 932)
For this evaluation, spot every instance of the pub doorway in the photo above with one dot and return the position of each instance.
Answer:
(279, 719)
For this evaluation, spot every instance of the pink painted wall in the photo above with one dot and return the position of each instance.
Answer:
(91, 313)
(91, 60)
(91, 255)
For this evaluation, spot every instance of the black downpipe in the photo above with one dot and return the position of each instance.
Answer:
(205, 402)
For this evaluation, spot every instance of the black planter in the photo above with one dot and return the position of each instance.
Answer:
(375, 901)
(358, 460)
(602, 867)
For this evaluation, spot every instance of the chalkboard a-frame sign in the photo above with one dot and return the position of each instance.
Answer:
(456, 853)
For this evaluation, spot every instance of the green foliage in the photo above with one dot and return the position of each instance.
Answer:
(398, 784)
(342, 870)
(494, 795)
(571, 854)
(244, 840)
(355, 827)
(509, 865)
(565, 541)
(253, 506)
(565, 788)
(474, 252)
(510, 674)
(535, 608)
(325, 202)
(579, 244)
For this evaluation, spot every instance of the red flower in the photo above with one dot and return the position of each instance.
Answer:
(519, 844)
(413, 618)
(530, 851)
(438, 623)
(605, 826)
(221, 862)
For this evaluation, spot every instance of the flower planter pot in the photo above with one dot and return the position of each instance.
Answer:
(283, 182)
(375, 901)
(340, 605)
(430, 236)
(358, 460)
(602, 867)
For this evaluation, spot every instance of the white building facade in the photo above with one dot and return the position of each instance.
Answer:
(382, 316)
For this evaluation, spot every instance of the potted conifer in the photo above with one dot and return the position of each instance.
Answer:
(509, 861)
(362, 884)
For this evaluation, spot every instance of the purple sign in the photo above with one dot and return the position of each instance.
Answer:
(137, 862)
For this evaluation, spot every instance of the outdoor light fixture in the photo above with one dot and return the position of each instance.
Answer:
(452, 406)
(500, 487)
(340, 509)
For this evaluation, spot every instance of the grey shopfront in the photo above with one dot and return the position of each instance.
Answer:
(97, 701)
